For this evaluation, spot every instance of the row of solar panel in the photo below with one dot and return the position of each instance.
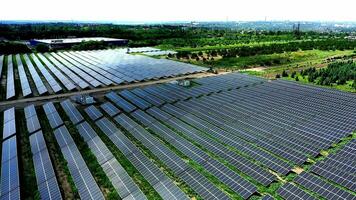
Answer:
(198, 183)
(121, 181)
(45, 176)
(86, 69)
(152, 173)
(9, 180)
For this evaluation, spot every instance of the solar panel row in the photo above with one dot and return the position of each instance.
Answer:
(9, 128)
(32, 122)
(72, 112)
(52, 115)
(10, 79)
(41, 88)
(195, 180)
(83, 179)
(57, 73)
(45, 73)
(143, 164)
(10, 180)
(225, 175)
(120, 102)
(45, 176)
(121, 181)
(25, 85)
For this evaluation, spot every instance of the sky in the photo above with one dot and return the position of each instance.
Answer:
(179, 10)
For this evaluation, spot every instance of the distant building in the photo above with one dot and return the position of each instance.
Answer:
(69, 42)
(353, 37)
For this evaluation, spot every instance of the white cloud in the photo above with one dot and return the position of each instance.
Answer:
(187, 10)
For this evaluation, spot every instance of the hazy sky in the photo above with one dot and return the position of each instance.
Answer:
(178, 10)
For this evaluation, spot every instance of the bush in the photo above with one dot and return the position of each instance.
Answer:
(296, 78)
(278, 76)
(42, 48)
(284, 73)
(13, 48)
(293, 74)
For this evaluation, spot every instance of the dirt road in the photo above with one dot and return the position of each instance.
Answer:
(97, 92)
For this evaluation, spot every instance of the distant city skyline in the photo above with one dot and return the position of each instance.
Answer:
(182, 10)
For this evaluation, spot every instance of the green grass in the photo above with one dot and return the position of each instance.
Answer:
(278, 62)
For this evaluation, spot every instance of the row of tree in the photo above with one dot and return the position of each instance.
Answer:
(335, 73)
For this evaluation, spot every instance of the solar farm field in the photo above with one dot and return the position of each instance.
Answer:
(230, 136)
(31, 75)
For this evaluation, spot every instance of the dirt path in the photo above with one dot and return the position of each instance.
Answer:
(96, 92)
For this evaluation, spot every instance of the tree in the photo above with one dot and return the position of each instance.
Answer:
(296, 78)
(284, 73)
(278, 76)
(42, 48)
(293, 74)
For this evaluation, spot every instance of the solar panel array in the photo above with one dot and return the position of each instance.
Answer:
(160, 182)
(31, 117)
(10, 179)
(121, 181)
(1, 65)
(10, 79)
(52, 115)
(72, 112)
(88, 69)
(83, 179)
(243, 131)
(9, 128)
(25, 85)
(46, 179)
(190, 176)
(41, 88)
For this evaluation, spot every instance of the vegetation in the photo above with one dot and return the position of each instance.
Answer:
(42, 48)
(90, 45)
(13, 48)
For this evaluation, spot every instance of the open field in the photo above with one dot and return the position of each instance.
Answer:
(230, 136)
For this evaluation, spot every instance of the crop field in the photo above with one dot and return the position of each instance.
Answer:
(37, 74)
(230, 136)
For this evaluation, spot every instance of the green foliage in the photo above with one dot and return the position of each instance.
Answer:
(90, 45)
(335, 73)
(13, 48)
(42, 48)
(284, 73)
(278, 76)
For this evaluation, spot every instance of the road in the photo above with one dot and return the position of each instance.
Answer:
(95, 92)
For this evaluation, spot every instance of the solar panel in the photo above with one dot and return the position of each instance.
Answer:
(110, 109)
(63, 136)
(45, 74)
(60, 76)
(267, 197)
(290, 191)
(9, 149)
(9, 176)
(30, 111)
(33, 124)
(86, 131)
(41, 88)
(49, 189)
(9, 128)
(37, 142)
(141, 103)
(145, 166)
(1, 65)
(93, 112)
(322, 187)
(119, 101)
(26, 89)
(10, 79)
(52, 115)
(72, 112)
(12, 195)
(84, 181)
